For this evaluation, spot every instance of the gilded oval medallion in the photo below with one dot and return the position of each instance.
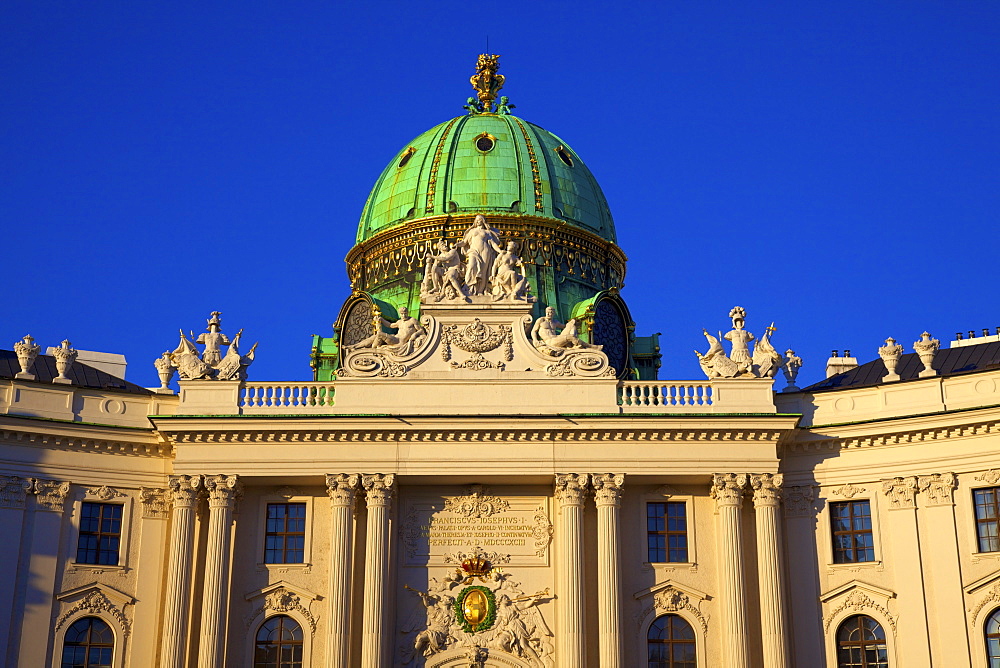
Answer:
(475, 608)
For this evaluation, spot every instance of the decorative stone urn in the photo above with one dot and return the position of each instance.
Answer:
(890, 353)
(927, 348)
(65, 356)
(165, 370)
(790, 365)
(27, 350)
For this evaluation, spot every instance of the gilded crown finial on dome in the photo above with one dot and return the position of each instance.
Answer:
(486, 82)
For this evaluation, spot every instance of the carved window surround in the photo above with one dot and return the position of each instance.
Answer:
(668, 493)
(96, 600)
(828, 494)
(283, 495)
(857, 597)
(100, 494)
(281, 598)
(671, 598)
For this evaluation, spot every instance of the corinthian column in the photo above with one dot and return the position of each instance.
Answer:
(571, 490)
(766, 500)
(184, 491)
(727, 490)
(342, 489)
(378, 492)
(608, 495)
(223, 491)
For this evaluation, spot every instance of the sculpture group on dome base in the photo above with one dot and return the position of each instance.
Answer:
(763, 362)
(476, 269)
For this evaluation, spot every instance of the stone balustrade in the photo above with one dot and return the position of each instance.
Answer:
(263, 398)
(664, 396)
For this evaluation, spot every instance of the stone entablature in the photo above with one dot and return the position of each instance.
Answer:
(80, 404)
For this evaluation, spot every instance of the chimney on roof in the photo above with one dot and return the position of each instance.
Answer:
(837, 364)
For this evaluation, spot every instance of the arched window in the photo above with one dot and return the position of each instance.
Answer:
(671, 643)
(279, 644)
(89, 643)
(993, 640)
(861, 644)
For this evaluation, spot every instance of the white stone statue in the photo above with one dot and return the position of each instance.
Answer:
(508, 283)
(926, 348)
(409, 334)
(165, 369)
(65, 356)
(790, 365)
(213, 340)
(546, 334)
(714, 362)
(443, 277)
(27, 351)
(436, 633)
(210, 365)
(739, 337)
(481, 244)
(233, 365)
(890, 353)
(766, 360)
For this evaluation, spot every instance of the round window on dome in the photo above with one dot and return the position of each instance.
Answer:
(564, 155)
(406, 157)
(485, 142)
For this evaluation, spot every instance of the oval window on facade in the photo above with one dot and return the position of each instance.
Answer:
(564, 155)
(485, 142)
(406, 157)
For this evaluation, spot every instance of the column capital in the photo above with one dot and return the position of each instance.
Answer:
(766, 489)
(342, 488)
(50, 494)
(184, 490)
(223, 490)
(571, 488)
(727, 488)
(939, 488)
(800, 500)
(379, 488)
(901, 491)
(608, 488)
(13, 491)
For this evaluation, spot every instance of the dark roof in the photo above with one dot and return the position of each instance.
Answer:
(81, 374)
(947, 362)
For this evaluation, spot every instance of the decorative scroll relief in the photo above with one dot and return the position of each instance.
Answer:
(859, 602)
(280, 598)
(992, 476)
(477, 338)
(672, 599)
(990, 597)
(509, 622)
(391, 355)
(96, 602)
(104, 492)
(435, 527)
(848, 491)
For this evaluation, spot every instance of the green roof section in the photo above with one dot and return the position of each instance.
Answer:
(486, 163)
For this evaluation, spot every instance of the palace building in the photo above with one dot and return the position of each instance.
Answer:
(486, 471)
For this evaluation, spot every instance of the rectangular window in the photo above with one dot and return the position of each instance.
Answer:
(100, 534)
(285, 534)
(666, 532)
(987, 516)
(852, 532)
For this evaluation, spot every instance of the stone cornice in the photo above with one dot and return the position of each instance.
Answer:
(901, 431)
(476, 429)
(82, 437)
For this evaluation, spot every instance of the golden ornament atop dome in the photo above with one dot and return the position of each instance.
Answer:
(486, 81)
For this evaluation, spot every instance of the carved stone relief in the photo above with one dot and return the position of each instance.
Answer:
(282, 599)
(105, 493)
(155, 502)
(95, 602)
(847, 491)
(939, 488)
(901, 492)
(859, 601)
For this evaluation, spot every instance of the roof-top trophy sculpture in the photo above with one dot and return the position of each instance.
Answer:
(486, 81)
(763, 363)
(211, 364)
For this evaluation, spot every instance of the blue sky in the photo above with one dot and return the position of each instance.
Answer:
(829, 166)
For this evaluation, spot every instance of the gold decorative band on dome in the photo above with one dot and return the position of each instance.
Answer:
(544, 242)
(535, 177)
(432, 180)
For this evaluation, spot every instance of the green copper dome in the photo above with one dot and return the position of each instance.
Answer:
(485, 163)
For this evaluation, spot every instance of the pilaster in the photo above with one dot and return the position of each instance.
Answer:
(379, 489)
(767, 501)
(184, 491)
(223, 492)
(570, 492)
(727, 490)
(608, 488)
(342, 489)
